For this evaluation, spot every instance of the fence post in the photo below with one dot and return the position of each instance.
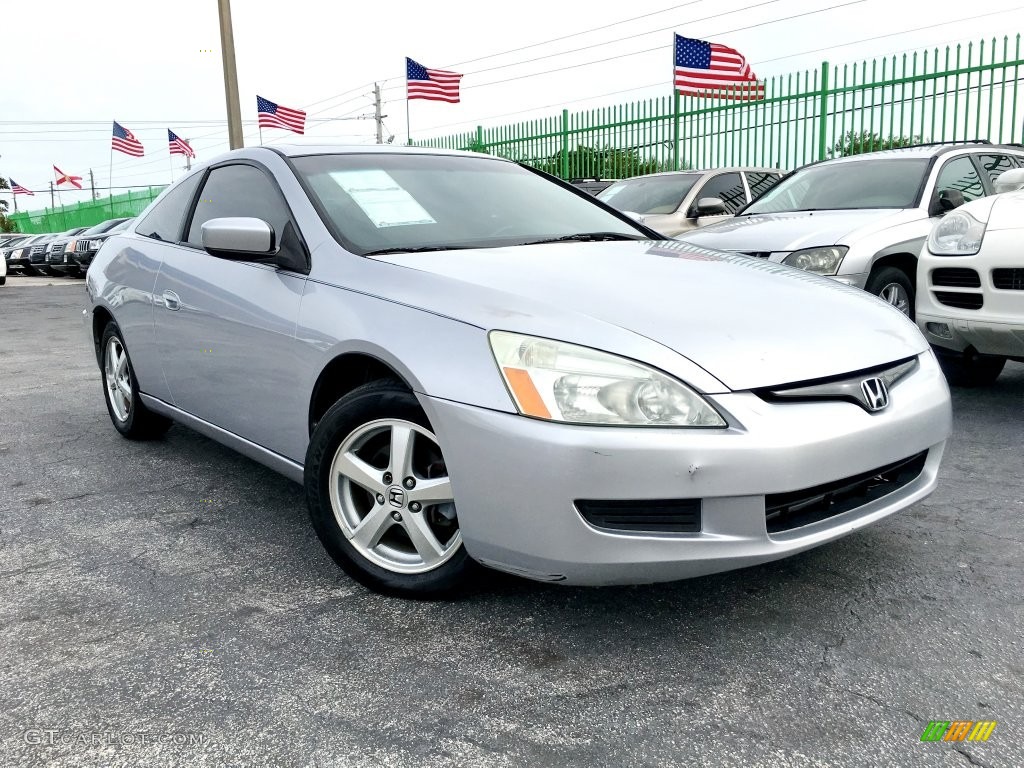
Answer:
(675, 130)
(565, 145)
(823, 117)
(479, 138)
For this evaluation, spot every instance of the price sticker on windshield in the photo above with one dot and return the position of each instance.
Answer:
(382, 199)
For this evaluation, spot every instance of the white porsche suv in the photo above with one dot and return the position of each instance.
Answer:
(971, 274)
(863, 220)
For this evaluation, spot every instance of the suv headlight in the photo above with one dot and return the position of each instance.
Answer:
(94, 245)
(958, 234)
(820, 261)
(563, 382)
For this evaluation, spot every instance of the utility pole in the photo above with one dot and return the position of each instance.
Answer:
(227, 49)
(92, 184)
(52, 204)
(376, 113)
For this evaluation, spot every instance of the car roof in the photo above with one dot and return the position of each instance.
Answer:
(923, 151)
(727, 169)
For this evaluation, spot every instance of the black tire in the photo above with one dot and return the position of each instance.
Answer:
(3, 280)
(970, 370)
(368, 403)
(140, 423)
(882, 283)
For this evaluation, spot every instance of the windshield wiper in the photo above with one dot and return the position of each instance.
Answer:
(587, 237)
(418, 249)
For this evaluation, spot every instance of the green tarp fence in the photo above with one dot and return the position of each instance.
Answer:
(130, 203)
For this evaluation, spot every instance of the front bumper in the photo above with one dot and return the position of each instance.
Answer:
(516, 480)
(994, 328)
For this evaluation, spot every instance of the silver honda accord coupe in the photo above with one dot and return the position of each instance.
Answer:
(467, 362)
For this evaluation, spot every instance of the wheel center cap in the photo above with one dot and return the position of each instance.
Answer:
(396, 496)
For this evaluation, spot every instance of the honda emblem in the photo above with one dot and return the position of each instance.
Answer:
(876, 394)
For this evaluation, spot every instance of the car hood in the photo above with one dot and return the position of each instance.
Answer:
(747, 322)
(780, 232)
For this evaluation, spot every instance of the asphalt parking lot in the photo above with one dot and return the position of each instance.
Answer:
(168, 604)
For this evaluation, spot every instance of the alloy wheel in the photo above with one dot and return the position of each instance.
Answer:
(118, 379)
(896, 294)
(392, 498)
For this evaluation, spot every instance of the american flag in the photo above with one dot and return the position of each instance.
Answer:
(178, 145)
(125, 141)
(432, 84)
(273, 116)
(67, 178)
(17, 189)
(718, 71)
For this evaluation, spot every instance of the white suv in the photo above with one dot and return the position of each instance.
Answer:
(862, 220)
(971, 274)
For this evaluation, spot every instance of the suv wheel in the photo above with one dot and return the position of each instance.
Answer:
(970, 370)
(893, 286)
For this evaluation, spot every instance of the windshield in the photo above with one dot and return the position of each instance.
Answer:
(381, 202)
(875, 183)
(102, 227)
(649, 194)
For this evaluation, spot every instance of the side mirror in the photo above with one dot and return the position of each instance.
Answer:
(241, 238)
(945, 201)
(710, 206)
(1009, 181)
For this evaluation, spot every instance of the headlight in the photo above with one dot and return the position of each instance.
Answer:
(820, 261)
(958, 234)
(93, 245)
(557, 381)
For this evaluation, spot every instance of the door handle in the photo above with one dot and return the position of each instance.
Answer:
(171, 301)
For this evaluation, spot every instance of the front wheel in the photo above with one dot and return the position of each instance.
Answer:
(379, 495)
(969, 370)
(893, 286)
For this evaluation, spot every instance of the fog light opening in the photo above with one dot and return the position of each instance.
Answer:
(940, 330)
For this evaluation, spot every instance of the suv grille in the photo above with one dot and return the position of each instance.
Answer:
(1008, 279)
(960, 300)
(795, 509)
(957, 277)
(38, 250)
(646, 515)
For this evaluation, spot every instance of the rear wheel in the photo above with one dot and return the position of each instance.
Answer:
(379, 494)
(121, 391)
(892, 286)
(971, 369)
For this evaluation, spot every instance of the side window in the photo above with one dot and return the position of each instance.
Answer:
(238, 190)
(761, 182)
(728, 187)
(996, 164)
(959, 173)
(164, 220)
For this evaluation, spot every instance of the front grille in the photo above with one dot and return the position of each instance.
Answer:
(38, 250)
(960, 300)
(757, 254)
(58, 249)
(643, 516)
(82, 246)
(795, 509)
(956, 277)
(1008, 278)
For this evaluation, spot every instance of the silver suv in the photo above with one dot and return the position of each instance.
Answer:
(678, 201)
(863, 219)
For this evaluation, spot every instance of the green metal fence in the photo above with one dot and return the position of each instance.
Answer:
(130, 203)
(965, 92)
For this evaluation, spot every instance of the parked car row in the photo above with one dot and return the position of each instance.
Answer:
(63, 253)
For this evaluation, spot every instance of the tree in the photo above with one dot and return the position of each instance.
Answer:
(853, 143)
(6, 225)
(595, 162)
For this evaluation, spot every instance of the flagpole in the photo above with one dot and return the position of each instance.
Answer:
(261, 135)
(408, 131)
(110, 181)
(171, 159)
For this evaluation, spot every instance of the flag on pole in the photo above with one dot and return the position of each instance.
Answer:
(17, 189)
(431, 84)
(67, 178)
(125, 141)
(273, 115)
(178, 145)
(717, 71)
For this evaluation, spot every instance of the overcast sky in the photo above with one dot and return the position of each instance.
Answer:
(73, 66)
